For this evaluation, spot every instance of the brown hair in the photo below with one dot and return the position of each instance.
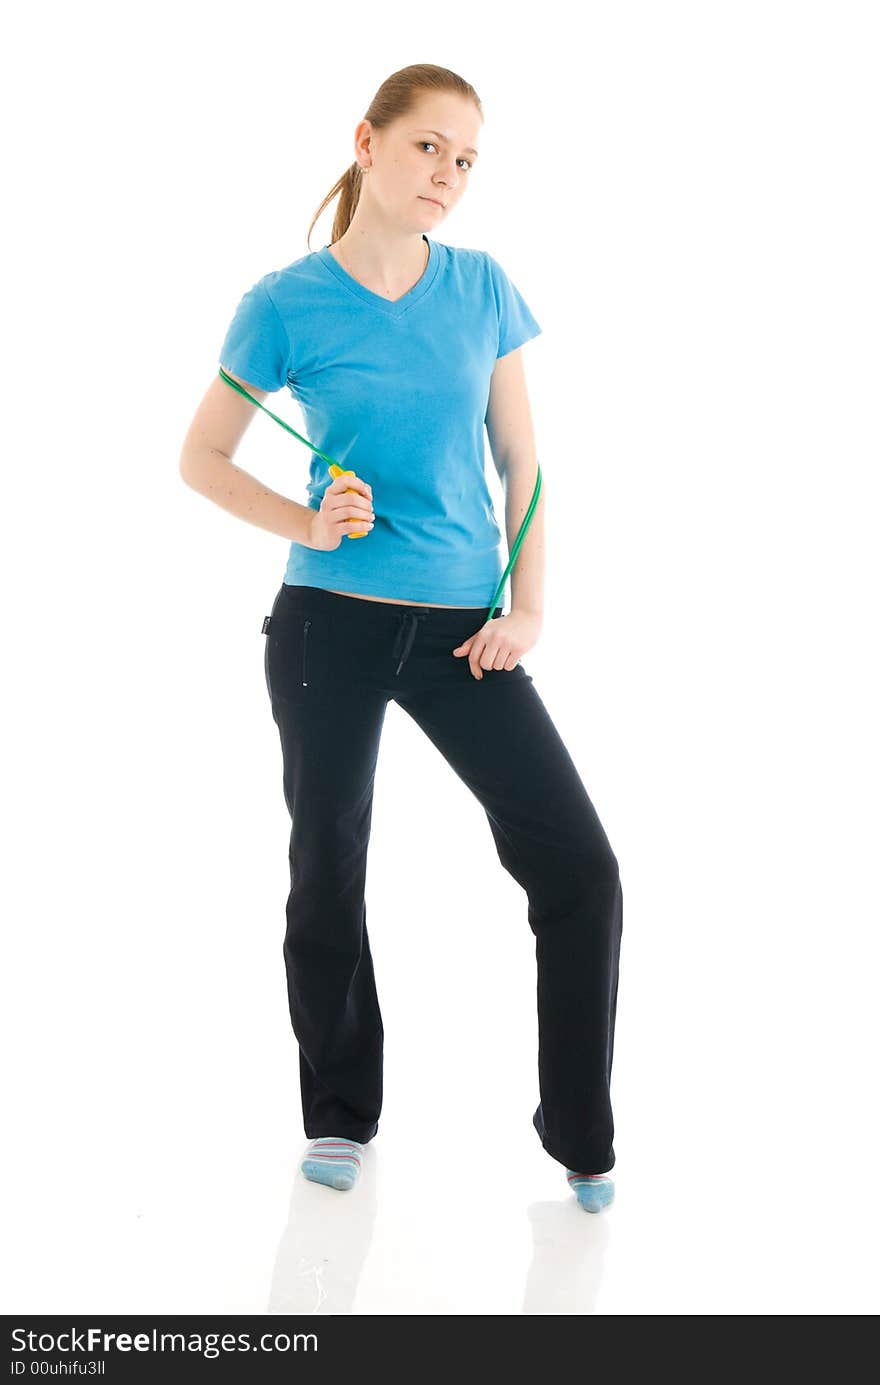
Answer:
(395, 98)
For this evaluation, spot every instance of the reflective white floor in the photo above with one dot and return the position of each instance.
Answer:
(210, 1218)
(157, 1173)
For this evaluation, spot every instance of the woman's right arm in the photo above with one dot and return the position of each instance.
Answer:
(206, 464)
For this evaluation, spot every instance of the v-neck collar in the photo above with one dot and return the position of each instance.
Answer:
(375, 300)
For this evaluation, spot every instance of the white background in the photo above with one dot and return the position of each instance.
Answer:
(687, 196)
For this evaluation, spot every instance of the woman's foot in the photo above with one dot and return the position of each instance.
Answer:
(333, 1160)
(593, 1190)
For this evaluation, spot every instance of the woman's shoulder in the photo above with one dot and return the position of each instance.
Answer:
(289, 286)
(303, 267)
(466, 253)
(470, 266)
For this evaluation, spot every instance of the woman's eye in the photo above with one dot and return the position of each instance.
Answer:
(427, 143)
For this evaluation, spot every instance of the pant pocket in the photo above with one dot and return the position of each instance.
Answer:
(307, 625)
(289, 658)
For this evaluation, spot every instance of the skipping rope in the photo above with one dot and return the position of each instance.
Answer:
(337, 470)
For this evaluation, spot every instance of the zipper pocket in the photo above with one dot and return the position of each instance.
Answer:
(305, 651)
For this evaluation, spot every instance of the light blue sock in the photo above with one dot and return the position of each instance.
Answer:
(333, 1160)
(593, 1190)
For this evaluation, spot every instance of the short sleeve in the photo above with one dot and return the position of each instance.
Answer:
(256, 347)
(516, 323)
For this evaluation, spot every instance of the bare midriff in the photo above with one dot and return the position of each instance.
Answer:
(395, 601)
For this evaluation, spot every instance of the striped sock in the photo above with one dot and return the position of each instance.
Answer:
(593, 1190)
(334, 1161)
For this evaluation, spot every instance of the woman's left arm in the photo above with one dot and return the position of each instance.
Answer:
(502, 642)
(512, 441)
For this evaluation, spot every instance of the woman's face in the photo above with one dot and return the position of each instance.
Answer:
(428, 154)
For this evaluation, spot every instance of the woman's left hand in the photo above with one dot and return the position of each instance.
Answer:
(501, 643)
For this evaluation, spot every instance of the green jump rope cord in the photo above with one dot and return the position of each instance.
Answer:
(523, 527)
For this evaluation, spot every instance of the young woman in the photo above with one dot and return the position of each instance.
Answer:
(399, 348)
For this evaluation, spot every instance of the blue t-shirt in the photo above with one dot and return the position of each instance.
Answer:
(398, 392)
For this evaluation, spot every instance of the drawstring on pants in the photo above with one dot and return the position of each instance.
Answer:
(410, 616)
